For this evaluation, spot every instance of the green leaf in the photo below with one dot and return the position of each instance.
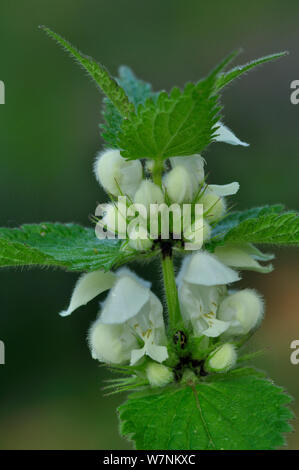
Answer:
(99, 74)
(236, 72)
(137, 92)
(261, 225)
(178, 124)
(235, 218)
(239, 410)
(69, 246)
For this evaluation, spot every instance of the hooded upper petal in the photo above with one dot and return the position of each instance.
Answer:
(224, 134)
(117, 175)
(111, 343)
(205, 269)
(194, 164)
(243, 309)
(87, 287)
(182, 182)
(243, 256)
(222, 190)
(125, 300)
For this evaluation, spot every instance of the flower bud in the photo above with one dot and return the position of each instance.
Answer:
(194, 164)
(198, 229)
(223, 359)
(213, 206)
(158, 375)
(117, 175)
(243, 310)
(139, 238)
(148, 193)
(111, 343)
(114, 219)
(179, 185)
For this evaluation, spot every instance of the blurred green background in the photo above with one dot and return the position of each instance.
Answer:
(50, 389)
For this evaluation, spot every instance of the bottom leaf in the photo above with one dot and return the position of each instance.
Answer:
(238, 410)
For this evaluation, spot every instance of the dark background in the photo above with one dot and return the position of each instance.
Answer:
(50, 389)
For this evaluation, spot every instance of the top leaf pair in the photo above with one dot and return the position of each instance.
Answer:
(144, 124)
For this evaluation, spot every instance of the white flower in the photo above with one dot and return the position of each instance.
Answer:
(87, 287)
(158, 375)
(139, 238)
(202, 286)
(148, 193)
(223, 359)
(224, 134)
(193, 163)
(243, 256)
(224, 189)
(199, 230)
(205, 303)
(178, 185)
(183, 181)
(115, 218)
(130, 324)
(204, 269)
(131, 313)
(111, 343)
(214, 205)
(117, 175)
(243, 310)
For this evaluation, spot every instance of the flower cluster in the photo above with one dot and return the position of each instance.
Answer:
(133, 190)
(130, 330)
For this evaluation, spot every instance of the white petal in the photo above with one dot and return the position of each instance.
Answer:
(121, 272)
(203, 268)
(197, 301)
(111, 343)
(87, 287)
(243, 309)
(136, 355)
(148, 193)
(156, 352)
(199, 305)
(225, 189)
(194, 164)
(117, 175)
(216, 328)
(241, 256)
(257, 254)
(125, 300)
(156, 312)
(178, 185)
(224, 134)
(151, 349)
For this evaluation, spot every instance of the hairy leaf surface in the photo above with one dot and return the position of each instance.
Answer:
(238, 410)
(52, 244)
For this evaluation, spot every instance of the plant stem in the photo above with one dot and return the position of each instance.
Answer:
(157, 172)
(174, 314)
